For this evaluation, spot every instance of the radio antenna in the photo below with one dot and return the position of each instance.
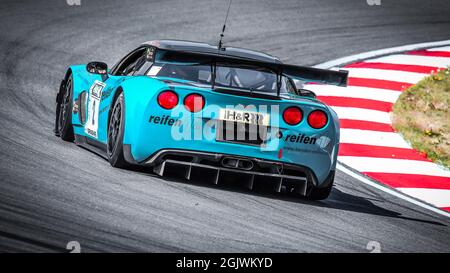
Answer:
(219, 46)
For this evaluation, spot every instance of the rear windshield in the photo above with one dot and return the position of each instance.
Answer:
(229, 75)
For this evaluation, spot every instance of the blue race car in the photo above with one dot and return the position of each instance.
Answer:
(220, 113)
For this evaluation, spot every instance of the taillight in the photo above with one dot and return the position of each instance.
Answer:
(292, 115)
(194, 102)
(317, 119)
(167, 99)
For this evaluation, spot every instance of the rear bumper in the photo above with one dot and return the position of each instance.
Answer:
(212, 166)
(150, 128)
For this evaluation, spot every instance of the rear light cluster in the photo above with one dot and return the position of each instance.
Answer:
(168, 100)
(317, 119)
(192, 102)
(292, 115)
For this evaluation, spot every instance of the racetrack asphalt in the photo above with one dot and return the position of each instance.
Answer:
(53, 192)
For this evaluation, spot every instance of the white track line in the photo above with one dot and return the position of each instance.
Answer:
(355, 92)
(437, 197)
(372, 54)
(442, 48)
(393, 165)
(365, 137)
(391, 75)
(390, 191)
(412, 60)
(362, 114)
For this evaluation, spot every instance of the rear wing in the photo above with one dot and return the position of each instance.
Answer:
(316, 75)
(301, 73)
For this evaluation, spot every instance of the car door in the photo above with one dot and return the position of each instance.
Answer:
(102, 94)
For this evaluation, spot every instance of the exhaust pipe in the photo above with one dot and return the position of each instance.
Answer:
(237, 163)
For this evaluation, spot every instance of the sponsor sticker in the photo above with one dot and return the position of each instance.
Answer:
(95, 95)
(323, 141)
(300, 138)
(165, 120)
(244, 117)
(154, 70)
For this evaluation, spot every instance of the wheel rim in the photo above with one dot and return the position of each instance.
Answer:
(114, 127)
(65, 105)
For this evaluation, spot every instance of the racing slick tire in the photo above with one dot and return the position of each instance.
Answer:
(321, 193)
(63, 123)
(116, 125)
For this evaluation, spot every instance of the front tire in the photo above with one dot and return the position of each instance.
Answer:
(64, 104)
(116, 127)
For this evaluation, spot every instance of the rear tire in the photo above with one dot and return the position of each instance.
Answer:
(64, 104)
(322, 193)
(116, 125)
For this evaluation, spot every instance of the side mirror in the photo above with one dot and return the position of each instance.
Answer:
(306, 93)
(97, 68)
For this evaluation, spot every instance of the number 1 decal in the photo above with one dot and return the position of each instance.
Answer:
(95, 95)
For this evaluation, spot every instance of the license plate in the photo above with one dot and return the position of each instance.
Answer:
(248, 117)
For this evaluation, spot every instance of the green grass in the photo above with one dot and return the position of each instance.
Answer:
(422, 116)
